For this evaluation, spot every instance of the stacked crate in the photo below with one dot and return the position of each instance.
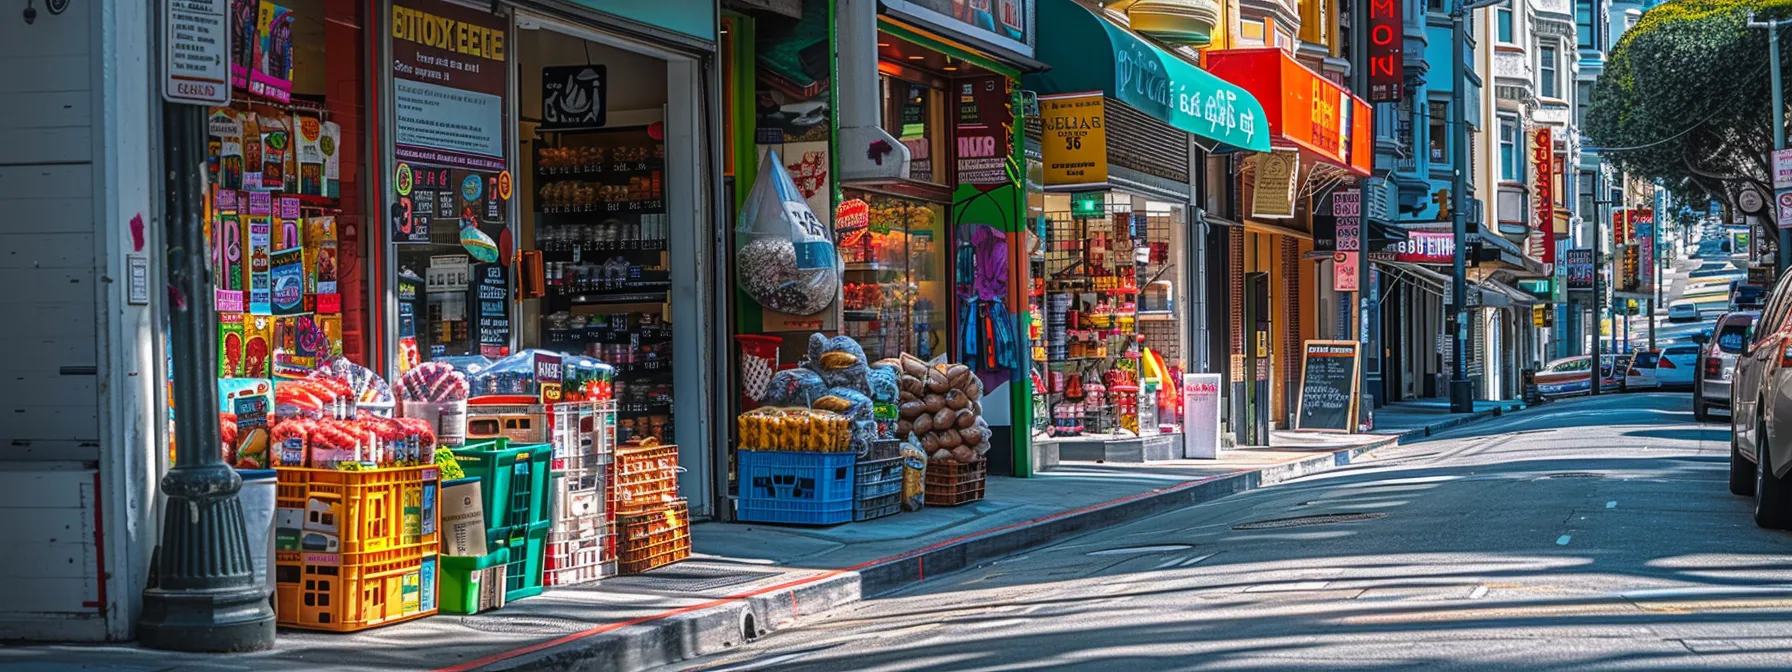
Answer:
(514, 482)
(653, 524)
(952, 483)
(795, 488)
(877, 488)
(581, 548)
(355, 549)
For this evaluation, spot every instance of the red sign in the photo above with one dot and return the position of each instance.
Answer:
(1426, 247)
(1543, 197)
(1387, 66)
(1303, 107)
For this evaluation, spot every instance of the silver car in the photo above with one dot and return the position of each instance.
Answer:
(1761, 417)
(1717, 362)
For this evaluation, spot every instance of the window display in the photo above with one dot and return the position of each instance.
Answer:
(894, 288)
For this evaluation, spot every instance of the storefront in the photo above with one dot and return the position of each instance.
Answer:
(543, 169)
(1123, 128)
(1321, 141)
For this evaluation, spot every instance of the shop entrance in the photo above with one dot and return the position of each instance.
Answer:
(1254, 430)
(1393, 335)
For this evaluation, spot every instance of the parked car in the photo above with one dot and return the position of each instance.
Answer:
(1677, 364)
(1640, 375)
(1745, 296)
(1569, 377)
(1683, 311)
(1761, 403)
(1717, 362)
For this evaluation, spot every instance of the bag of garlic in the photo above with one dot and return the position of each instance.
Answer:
(786, 260)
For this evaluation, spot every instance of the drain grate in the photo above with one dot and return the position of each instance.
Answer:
(1141, 550)
(1575, 474)
(687, 578)
(1306, 521)
(523, 625)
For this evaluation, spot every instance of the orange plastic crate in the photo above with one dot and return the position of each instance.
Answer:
(345, 592)
(952, 483)
(644, 478)
(330, 511)
(653, 538)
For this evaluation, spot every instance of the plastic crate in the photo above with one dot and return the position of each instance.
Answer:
(877, 478)
(579, 551)
(795, 487)
(877, 507)
(644, 478)
(471, 584)
(650, 539)
(523, 573)
(584, 431)
(513, 477)
(345, 592)
(952, 483)
(329, 511)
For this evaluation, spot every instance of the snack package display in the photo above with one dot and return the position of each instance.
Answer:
(259, 250)
(914, 476)
(258, 346)
(230, 345)
(226, 131)
(287, 281)
(270, 74)
(329, 146)
(794, 429)
(276, 144)
(787, 260)
(320, 256)
(309, 153)
(251, 149)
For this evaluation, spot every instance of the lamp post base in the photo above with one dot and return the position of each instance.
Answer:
(1462, 396)
(206, 597)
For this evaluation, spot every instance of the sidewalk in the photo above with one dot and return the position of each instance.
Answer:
(748, 579)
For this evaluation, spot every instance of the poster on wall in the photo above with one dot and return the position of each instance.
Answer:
(448, 85)
(574, 97)
(1074, 140)
(981, 129)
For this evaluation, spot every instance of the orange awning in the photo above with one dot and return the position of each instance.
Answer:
(1304, 109)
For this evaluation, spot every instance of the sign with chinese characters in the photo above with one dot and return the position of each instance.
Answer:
(1543, 190)
(1643, 222)
(1387, 65)
(1347, 203)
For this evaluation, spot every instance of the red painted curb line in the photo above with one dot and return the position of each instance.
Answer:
(828, 574)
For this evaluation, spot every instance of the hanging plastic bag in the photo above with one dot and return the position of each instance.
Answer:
(786, 259)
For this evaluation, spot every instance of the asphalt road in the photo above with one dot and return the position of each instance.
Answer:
(1588, 534)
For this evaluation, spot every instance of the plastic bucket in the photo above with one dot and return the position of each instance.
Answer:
(257, 496)
(448, 418)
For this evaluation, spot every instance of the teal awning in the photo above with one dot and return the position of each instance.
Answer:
(1089, 53)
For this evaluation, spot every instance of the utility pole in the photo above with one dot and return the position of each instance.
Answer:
(1784, 255)
(1462, 391)
(1359, 84)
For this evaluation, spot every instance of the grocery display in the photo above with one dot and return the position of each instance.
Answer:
(1088, 304)
(893, 296)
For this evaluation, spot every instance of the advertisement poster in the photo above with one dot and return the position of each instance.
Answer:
(1005, 19)
(981, 128)
(1201, 415)
(1344, 273)
(448, 72)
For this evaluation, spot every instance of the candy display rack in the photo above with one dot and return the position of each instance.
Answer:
(1088, 299)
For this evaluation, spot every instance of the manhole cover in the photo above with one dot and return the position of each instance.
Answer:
(686, 578)
(522, 625)
(1575, 474)
(1140, 550)
(1304, 521)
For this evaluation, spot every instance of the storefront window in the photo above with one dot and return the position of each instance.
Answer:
(894, 288)
(914, 113)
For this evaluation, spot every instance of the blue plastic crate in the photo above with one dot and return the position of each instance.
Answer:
(877, 478)
(795, 476)
(793, 512)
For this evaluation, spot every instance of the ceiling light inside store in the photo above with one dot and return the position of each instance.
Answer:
(917, 58)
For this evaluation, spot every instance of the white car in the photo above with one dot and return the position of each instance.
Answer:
(1678, 365)
(1683, 311)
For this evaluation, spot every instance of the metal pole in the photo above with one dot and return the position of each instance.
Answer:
(1359, 84)
(1596, 381)
(1783, 258)
(1462, 398)
(206, 596)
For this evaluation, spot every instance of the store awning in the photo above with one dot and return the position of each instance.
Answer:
(1304, 109)
(1089, 53)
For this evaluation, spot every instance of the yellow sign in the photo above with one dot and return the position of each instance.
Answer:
(1075, 141)
(1277, 182)
(1539, 316)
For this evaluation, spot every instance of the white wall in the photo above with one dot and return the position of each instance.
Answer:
(78, 388)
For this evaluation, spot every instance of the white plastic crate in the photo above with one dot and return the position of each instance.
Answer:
(583, 430)
(579, 551)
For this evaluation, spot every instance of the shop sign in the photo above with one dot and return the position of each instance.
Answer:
(1580, 268)
(1543, 197)
(1276, 182)
(1426, 247)
(981, 131)
(574, 96)
(449, 67)
(1003, 20)
(1643, 221)
(1344, 272)
(1387, 65)
(1347, 203)
(1088, 204)
(1303, 107)
(1350, 235)
(1782, 169)
(196, 52)
(1201, 415)
(1074, 140)
(1784, 199)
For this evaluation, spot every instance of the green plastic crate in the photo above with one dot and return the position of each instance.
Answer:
(513, 478)
(527, 548)
(459, 589)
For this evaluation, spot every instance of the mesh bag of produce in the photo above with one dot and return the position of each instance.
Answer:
(786, 259)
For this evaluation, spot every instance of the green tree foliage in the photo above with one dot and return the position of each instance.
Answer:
(1685, 97)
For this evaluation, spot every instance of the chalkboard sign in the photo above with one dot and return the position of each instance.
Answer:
(1328, 387)
(491, 309)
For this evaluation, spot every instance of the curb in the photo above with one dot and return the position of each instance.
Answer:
(714, 626)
